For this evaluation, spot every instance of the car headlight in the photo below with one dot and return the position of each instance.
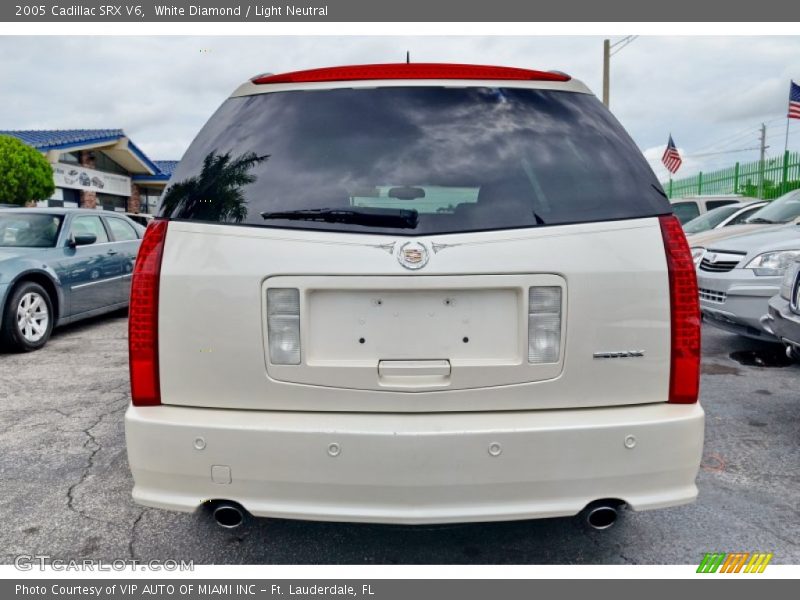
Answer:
(697, 255)
(788, 280)
(773, 263)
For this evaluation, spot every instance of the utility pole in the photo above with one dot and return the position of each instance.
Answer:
(606, 67)
(761, 157)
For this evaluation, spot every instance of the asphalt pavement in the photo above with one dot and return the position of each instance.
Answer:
(65, 484)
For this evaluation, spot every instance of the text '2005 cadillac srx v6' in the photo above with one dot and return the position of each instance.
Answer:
(414, 293)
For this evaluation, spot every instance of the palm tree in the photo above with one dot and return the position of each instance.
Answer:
(216, 193)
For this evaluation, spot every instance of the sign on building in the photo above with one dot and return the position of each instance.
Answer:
(90, 180)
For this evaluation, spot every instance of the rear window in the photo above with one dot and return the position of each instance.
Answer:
(122, 231)
(712, 204)
(412, 161)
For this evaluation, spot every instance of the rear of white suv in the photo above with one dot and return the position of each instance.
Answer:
(414, 294)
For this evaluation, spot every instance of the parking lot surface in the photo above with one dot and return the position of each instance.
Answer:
(66, 484)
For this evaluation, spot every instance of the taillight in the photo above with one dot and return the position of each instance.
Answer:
(684, 379)
(143, 317)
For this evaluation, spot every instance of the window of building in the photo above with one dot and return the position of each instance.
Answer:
(72, 158)
(111, 202)
(148, 200)
(71, 198)
(103, 163)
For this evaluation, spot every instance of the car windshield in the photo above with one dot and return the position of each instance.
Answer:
(711, 219)
(28, 230)
(411, 161)
(784, 209)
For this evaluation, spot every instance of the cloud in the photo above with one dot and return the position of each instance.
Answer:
(690, 165)
(162, 89)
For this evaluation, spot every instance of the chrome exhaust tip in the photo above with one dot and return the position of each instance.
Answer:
(602, 515)
(228, 516)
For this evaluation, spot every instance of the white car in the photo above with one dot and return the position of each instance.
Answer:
(723, 216)
(414, 294)
(690, 207)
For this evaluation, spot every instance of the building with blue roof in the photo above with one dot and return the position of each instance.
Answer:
(99, 168)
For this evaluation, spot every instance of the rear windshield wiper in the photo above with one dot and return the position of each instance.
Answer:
(375, 217)
(760, 220)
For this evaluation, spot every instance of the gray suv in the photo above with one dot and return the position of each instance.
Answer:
(737, 277)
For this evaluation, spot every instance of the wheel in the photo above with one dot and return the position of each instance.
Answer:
(793, 352)
(28, 318)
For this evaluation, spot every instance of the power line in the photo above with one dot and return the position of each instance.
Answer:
(722, 152)
(658, 160)
(730, 139)
(621, 43)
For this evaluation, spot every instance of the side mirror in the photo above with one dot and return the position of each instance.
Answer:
(82, 239)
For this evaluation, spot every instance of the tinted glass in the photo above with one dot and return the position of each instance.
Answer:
(712, 204)
(121, 231)
(685, 211)
(710, 219)
(784, 209)
(82, 225)
(743, 216)
(26, 230)
(460, 159)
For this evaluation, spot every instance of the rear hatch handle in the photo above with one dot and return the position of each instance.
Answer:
(414, 373)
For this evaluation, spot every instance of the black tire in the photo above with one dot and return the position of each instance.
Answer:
(793, 353)
(11, 336)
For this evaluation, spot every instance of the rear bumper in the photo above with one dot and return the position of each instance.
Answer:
(415, 468)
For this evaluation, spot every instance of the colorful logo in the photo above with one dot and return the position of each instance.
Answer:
(734, 562)
(413, 255)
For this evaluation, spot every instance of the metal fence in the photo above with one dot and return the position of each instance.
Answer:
(770, 179)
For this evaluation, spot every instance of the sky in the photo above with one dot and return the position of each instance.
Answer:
(711, 93)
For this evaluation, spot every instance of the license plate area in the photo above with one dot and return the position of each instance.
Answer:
(409, 324)
(351, 326)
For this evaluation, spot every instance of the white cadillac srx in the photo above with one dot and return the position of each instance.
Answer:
(414, 293)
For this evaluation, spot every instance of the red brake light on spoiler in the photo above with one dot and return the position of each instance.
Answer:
(684, 380)
(411, 71)
(143, 317)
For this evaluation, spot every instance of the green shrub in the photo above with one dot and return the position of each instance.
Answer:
(25, 174)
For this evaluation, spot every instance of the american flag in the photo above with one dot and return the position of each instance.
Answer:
(671, 159)
(794, 101)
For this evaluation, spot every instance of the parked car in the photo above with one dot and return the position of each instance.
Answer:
(723, 216)
(690, 207)
(783, 318)
(60, 265)
(738, 275)
(525, 344)
(780, 211)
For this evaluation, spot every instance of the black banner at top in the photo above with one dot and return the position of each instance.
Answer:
(406, 10)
